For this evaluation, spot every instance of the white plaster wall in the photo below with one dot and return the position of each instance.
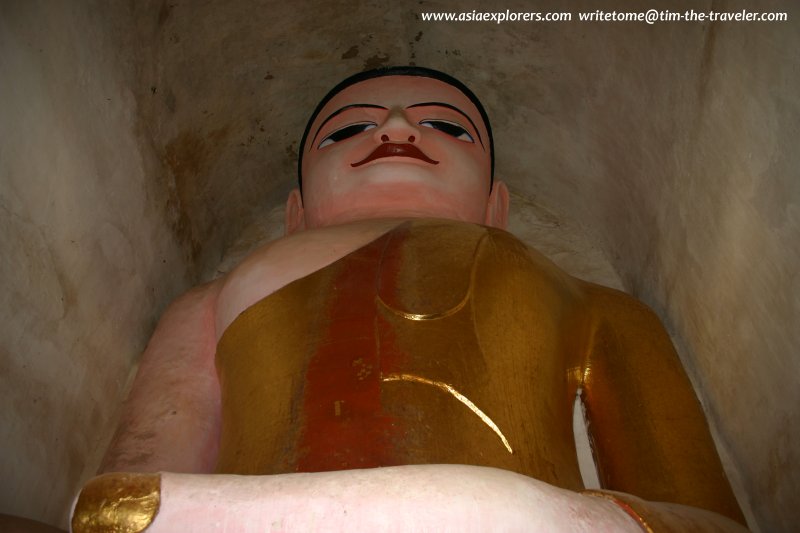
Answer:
(86, 256)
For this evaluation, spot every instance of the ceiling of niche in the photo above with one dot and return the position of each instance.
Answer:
(226, 89)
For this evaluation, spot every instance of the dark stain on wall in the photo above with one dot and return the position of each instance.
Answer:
(351, 52)
(376, 61)
(188, 158)
(704, 74)
(164, 12)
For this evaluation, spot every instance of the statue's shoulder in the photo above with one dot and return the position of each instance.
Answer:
(612, 302)
(626, 315)
(277, 263)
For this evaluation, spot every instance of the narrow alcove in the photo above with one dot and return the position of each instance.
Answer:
(144, 146)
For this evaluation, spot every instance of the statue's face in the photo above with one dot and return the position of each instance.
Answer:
(396, 146)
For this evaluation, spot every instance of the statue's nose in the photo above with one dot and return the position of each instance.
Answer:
(397, 128)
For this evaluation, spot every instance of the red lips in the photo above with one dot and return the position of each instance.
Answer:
(392, 150)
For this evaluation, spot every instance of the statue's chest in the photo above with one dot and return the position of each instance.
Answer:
(422, 347)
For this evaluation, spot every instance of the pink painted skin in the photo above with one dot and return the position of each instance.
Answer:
(457, 187)
(455, 498)
(171, 419)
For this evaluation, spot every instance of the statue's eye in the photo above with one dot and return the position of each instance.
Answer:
(450, 128)
(346, 132)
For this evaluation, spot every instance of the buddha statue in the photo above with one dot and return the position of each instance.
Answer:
(399, 361)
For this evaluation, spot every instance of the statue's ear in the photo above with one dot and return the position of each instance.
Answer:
(497, 206)
(294, 218)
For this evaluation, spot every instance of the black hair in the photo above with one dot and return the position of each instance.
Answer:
(394, 71)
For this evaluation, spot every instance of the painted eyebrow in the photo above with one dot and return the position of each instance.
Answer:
(454, 108)
(342, 110)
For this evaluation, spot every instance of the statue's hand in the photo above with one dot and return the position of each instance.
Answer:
(404, 498)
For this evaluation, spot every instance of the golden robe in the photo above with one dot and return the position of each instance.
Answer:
(445, 342)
